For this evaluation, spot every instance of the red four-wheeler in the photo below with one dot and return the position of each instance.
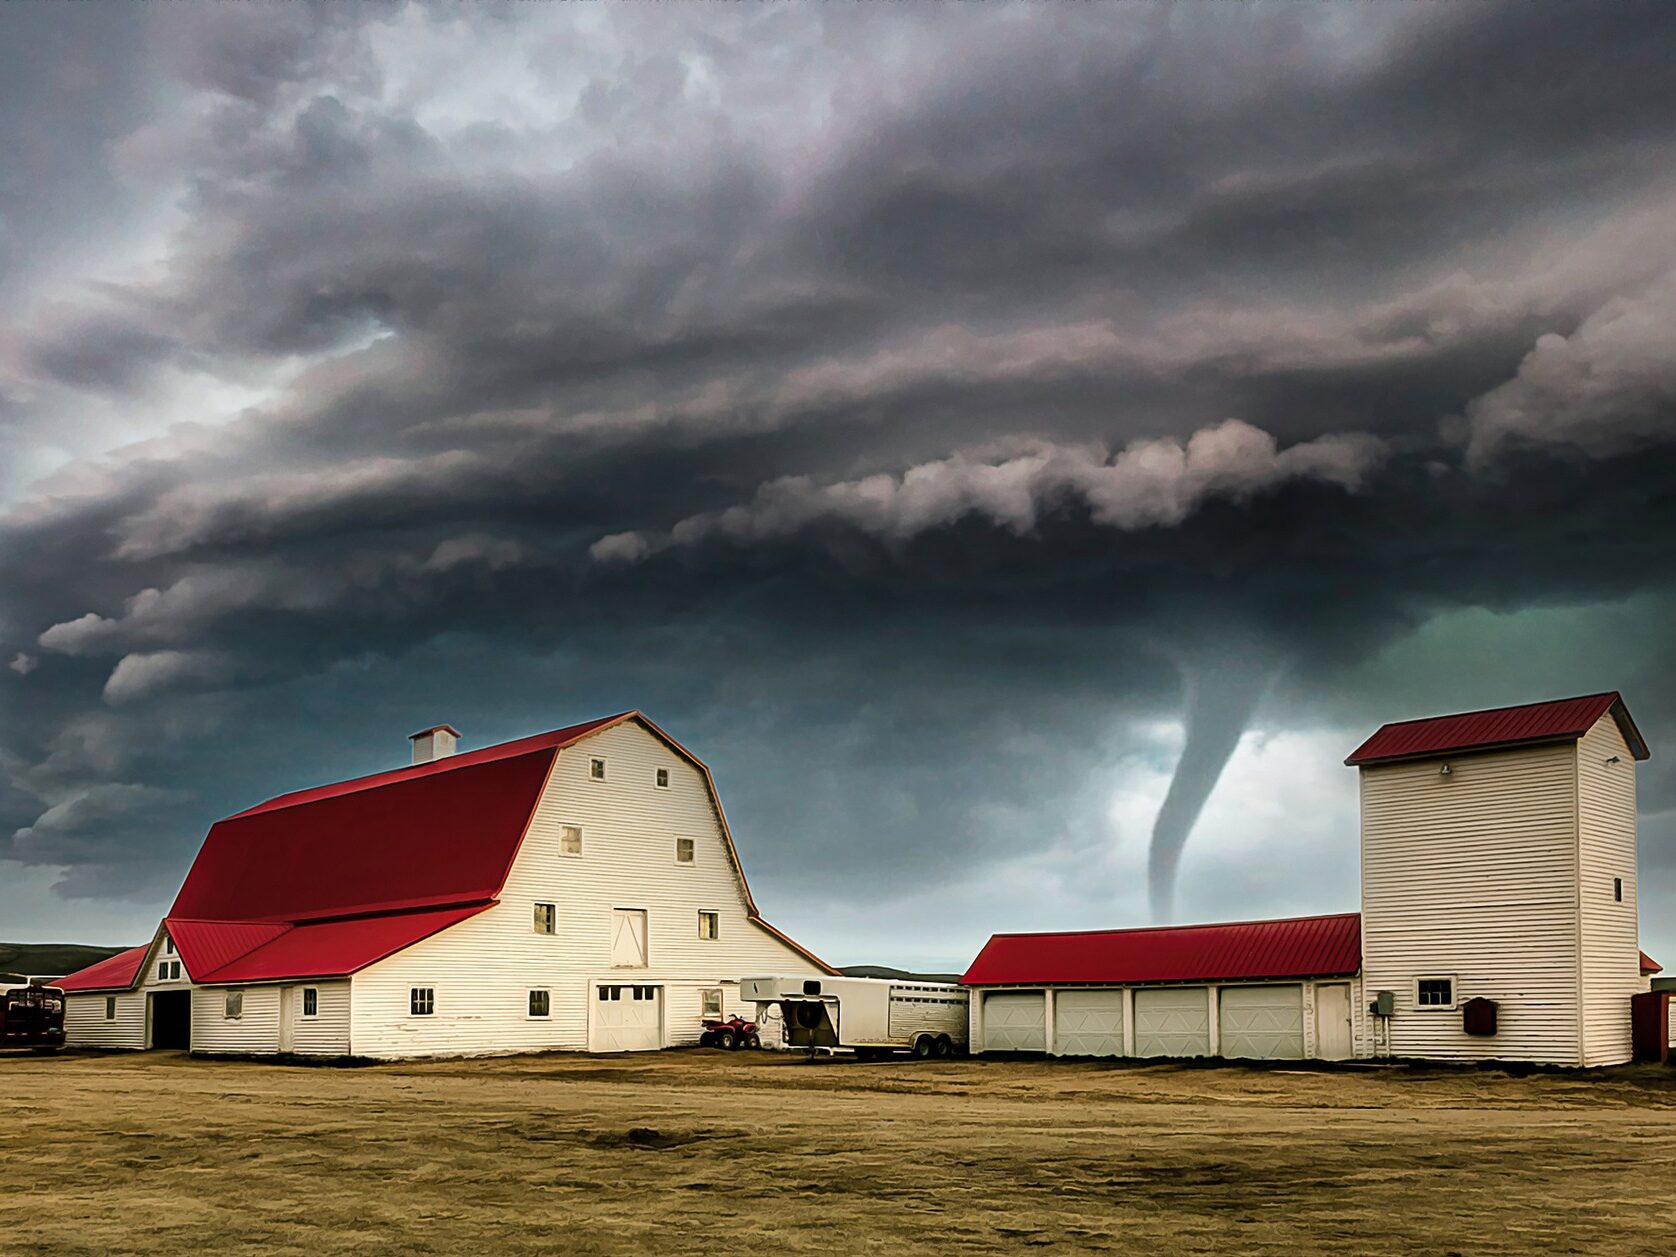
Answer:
(731, 1032)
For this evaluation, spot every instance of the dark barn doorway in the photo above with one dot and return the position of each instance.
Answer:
(171, 1019)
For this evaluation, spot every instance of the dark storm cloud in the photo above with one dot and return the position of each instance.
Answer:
(852, 392)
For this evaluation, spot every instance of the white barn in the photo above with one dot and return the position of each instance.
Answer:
(574, 890)
(1499, 890)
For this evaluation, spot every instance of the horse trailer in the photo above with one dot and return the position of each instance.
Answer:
(868, 1016)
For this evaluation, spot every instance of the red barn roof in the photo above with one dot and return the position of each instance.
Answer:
(1296, 947)
(325, 881)
(1563, 720)
(1649, 965)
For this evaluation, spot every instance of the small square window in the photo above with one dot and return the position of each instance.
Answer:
(421, 1001)
(1434, 992)
(570, 840)
(683, 851)
(1618, 889)
(610, 992)
(662, 778)
(546, 918)
(643, 993)
(709, 925)
(711, 997)
(110, 1008)
(311, 1001)
(540, 1004)
(596, 769)
(235, 1005)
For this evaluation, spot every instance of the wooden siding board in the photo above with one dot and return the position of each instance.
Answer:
(483, 968)
(1473, 875)
(85, 1024)
(1609, 932)
(254, 1031)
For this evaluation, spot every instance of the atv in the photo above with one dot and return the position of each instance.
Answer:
(732, 1032)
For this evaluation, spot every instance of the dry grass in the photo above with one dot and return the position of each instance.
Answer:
(703, 1152)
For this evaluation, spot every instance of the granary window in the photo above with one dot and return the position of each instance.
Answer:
(596, 769)
(683, 851)
(311, 1001)
(711, 997)
(540, 1003)
(570, 840)
(662, 778)
(1618, 890)
(235, 1006)
(709, 925)
(1434, 992)
(110, 1008)
(421, 1001)
(546, 918)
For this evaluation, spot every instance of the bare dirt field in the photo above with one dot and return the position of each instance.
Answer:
(698, 1151)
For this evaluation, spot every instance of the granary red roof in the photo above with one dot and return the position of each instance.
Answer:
(325, 881)
(116, 973)
(1562, 720)
(1296, 947)
(1649, 965)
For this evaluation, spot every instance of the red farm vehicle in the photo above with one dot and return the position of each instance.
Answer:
(31, 1016)
(730, 1032)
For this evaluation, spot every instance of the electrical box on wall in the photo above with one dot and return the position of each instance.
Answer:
(1383, 1004)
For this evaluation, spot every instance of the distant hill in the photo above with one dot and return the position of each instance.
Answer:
(901, 975)
(50, 959)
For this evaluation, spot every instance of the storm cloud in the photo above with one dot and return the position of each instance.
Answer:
(950, 420)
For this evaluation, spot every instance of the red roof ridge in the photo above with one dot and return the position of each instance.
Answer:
(1490, 711)
(530, 744)
(1193, 925)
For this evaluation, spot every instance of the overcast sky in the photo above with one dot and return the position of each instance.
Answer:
(937, 416)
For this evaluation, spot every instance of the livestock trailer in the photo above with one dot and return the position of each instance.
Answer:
(868, 1016)
(31, 1015)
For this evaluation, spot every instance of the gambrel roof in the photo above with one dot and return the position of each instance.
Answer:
(325, 881)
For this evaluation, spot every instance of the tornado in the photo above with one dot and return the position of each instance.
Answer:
(1218, 709)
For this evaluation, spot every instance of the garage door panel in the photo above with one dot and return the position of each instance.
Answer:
(1014, 1021)
(627, 1019)
(1263, 1023)
(1172, 1021)
(1088, 1023)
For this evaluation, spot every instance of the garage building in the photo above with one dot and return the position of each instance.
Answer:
(1256, 990)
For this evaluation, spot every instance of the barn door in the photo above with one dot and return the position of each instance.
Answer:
(628, 938)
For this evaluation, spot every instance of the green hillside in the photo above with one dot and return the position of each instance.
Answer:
(50, 959)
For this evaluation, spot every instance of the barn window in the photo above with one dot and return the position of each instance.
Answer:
(311, 1001)
(662, 778)
(610, 992)
(540, 1003)
(235, 1005)
(570, 840)
(644, 993)
(110, 1008)
(1618, 889)
(683, 851)
(1434, 992)
(709, 925)
(421, 1001)
(168, 945)
(546, 918)
(162, 970)
(174, 971)
(712, 999)
(596, 769)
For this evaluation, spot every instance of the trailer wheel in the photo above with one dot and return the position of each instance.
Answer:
(924, 1047)
(945, 1045)
(724, 1040)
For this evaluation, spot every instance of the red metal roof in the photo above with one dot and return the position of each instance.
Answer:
(1562, 720)
(205, 946)
(334, 948)
(1649, 965)
(1297, 947)
(114, 973)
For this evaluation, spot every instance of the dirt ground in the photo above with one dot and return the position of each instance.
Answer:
(700, 1151)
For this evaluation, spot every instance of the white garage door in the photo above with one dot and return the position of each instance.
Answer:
(627, 1019)
(1088, 1023)
(1263, 1023)
(1014, 1021)
(1172, 1021)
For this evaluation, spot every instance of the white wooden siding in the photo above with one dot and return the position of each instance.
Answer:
(1611, 947)
(255, 1030)
(483, 969)
(327, 1032)
(1473, 875)
(85, 1024)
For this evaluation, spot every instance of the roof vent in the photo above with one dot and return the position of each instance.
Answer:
(437, 742)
